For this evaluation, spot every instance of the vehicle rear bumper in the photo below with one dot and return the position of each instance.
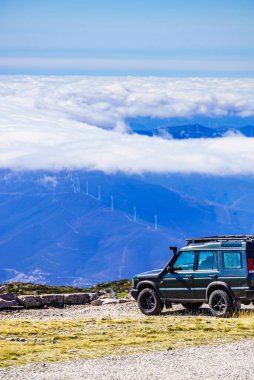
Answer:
(134, 293)
(249, 294)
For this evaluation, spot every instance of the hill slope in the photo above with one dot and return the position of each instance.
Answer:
(80, 228)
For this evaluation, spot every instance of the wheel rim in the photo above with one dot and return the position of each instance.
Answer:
(219, 304)
(147, 302)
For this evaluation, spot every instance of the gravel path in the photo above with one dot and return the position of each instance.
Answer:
(227, 361)
(114, 311)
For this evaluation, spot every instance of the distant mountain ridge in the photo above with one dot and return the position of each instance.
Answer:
(196, 131)
(80, 228)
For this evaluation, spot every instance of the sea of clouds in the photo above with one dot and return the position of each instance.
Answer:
(80, 123)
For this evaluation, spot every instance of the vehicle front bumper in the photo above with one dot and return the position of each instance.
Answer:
(134, 293)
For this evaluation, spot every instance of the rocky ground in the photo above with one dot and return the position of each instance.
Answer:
(111, 308)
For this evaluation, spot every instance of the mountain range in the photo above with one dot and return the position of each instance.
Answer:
(196, 131)
(79, 228)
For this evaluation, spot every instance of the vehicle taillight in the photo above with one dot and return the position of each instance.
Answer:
(251, 265)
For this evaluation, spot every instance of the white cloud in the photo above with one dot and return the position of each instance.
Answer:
(49, 181)
(78, 122)
(36, 276)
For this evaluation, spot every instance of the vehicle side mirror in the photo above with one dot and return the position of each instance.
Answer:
(170, 269)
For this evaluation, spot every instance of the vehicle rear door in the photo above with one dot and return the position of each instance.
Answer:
(205, 273)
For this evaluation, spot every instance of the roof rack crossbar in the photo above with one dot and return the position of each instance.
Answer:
(220, 238)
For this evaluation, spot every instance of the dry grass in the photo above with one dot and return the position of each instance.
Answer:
(30, 341)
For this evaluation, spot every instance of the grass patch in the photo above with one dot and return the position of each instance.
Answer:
(30, 341)
(121, 287)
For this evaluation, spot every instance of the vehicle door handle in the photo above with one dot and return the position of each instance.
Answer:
(213, 275)
(189, 276)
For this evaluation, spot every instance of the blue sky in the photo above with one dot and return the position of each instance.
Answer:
(138, 37)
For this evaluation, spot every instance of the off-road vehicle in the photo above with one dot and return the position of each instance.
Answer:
(218, 270)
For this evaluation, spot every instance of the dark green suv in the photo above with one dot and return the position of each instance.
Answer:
(218, 270)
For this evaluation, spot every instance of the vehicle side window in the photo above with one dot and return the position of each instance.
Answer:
(207, 260)
(232, 259)
(185, 261)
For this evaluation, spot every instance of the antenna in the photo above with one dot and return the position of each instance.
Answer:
(112, 202)
(134, 214)
(99, 193)
(87, 188)
(155, 222)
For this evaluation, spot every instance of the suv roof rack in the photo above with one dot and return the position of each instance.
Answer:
(220, 238)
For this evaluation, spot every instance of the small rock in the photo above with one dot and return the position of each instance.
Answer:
(111, 291)
(124, 300)
(11, 339)
(96, 303)
(2, 337)
(109, 301)
(21, 339)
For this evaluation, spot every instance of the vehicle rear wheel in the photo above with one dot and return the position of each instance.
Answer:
(192, 305)
(220, 303)
(149, 302)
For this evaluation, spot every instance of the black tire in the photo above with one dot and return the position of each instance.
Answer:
(149, 302)
(220, 303)
(192, 305)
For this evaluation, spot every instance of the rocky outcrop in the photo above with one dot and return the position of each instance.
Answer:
(7, 299)
(58, 300)
(55, 299)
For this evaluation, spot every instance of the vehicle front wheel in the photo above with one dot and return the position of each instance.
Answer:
(220, 303)
(192, 305)
(149, 302)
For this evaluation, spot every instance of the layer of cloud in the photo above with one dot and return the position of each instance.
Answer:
(79, 122)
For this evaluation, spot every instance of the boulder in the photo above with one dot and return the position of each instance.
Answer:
(5, 304)
(52, 299)
(30, 301)
(76, 299)
(8, 296)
